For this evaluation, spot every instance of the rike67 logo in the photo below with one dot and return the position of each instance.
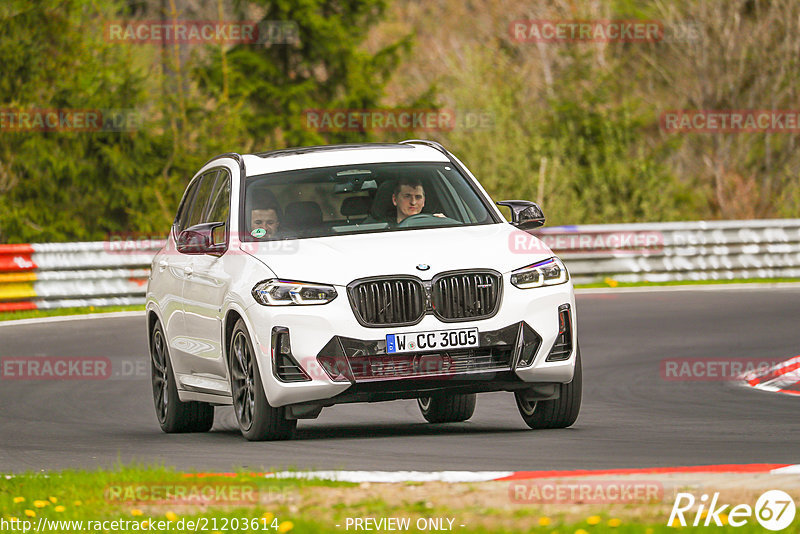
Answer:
(774, 510)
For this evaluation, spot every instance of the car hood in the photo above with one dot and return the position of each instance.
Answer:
(341, 259)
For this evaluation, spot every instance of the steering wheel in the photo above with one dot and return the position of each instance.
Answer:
(425, 219)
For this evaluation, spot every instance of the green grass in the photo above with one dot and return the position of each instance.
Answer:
(302, 506)
(31, 314)
(90, 496)
(610, 282)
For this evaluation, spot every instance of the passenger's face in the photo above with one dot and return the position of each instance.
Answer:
(409, 201)
(266, 219)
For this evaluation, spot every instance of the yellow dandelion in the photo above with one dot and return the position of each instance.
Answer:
(581, 531)
(30, 513)
(77, 503)
(52, 500)
(59, 508)
(594, 519)
(216, 532)
(13, 519)
(676, 523)
(723, 518)
(648, 531)
(611, 282)
(136, 511)
(544, 521)
(267, 517)
(286, 526)
(145, 524)
(18, 500)
(614, 522)
(41, 504)
(172, 516)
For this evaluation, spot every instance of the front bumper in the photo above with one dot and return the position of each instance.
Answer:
(514, 345)
(359, 361)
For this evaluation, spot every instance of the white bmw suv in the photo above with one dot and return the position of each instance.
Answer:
(298, 279)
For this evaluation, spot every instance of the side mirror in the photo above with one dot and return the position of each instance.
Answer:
(200, 239)
(525, 215)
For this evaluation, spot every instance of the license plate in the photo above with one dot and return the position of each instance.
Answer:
(436, 340)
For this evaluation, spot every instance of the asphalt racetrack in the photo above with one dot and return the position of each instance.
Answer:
(631, 415)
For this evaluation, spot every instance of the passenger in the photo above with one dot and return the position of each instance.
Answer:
(264, 221)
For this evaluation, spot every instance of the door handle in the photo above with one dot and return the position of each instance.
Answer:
(188, 270)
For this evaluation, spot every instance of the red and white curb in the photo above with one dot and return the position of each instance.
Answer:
(781, 378)
(499, 476)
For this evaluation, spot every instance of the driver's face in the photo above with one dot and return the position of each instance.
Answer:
(409, 201)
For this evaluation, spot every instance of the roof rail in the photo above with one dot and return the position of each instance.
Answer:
(234, 156)
(432, 144)
(231, 155)
(318, 148)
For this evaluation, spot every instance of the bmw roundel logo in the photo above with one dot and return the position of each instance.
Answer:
(423, 266)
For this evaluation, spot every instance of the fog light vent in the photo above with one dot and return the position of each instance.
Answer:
(284, 366)
(562, 348)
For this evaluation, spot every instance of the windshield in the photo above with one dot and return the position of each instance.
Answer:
(381, 197)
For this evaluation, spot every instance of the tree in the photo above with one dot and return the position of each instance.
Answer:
(327, 67)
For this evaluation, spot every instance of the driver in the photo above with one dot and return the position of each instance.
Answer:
(409, 198)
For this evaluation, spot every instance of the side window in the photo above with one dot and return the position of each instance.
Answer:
(220, 199)
(201, 199)
(185, 207)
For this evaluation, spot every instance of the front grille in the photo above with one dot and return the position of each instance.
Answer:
(391, 301)
(454, 296)
(466, 295)
(445, 363)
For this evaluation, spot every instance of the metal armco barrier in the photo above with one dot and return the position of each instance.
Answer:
(61, 275)
(678, 251)
(53, 275)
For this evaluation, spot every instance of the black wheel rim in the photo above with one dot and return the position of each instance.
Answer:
(242, 373)
(158, 366)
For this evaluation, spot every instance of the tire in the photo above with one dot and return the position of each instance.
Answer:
(557, 413)
(258, 421)
(448, 408)
(174, 416)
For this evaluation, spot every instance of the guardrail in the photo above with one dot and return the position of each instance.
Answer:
(53, 275)
(61, 275)
(680, 251)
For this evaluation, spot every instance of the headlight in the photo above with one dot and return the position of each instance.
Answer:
(286, 293)
(550, 272)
